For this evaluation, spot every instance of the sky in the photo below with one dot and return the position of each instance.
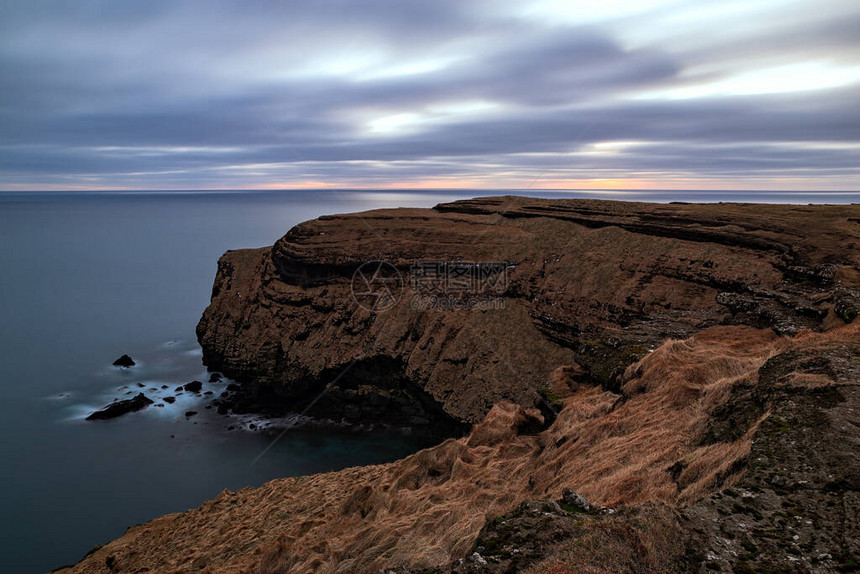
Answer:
(550, 94)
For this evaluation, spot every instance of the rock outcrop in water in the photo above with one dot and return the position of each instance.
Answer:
(193, 386)
(119, 408)
(690, 371)
(125, 361)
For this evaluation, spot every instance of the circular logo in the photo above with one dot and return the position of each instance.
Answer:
(377, 286)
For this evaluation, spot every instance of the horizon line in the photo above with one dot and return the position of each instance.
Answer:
(435, 189)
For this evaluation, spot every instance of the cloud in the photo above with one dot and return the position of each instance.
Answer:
(231, 95)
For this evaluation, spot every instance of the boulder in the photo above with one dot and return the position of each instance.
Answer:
(215, 377)
(572, 498)
(193, 386)
(120, 408)
(477, 559)
(847, 306)
(125, 361)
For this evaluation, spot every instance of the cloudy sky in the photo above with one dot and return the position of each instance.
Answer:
(659, 94)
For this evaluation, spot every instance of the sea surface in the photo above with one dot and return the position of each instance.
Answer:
(88, 276)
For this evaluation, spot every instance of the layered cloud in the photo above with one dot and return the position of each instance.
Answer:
(218, 95)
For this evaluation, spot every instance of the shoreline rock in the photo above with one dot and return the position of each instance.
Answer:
(193, 386)
(122, 407)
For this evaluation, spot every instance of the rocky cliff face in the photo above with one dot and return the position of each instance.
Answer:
(590, 285)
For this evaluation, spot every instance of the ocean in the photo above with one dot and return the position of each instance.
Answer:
(88, 276)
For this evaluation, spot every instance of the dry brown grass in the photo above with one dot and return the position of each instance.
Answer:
(427, 509)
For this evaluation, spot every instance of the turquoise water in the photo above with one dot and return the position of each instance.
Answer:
(86, 277)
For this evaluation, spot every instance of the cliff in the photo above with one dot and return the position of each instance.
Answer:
(589, 284)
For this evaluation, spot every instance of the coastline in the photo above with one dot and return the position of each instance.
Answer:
(738, 308)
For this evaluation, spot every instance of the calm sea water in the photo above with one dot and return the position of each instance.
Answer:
(86, 277)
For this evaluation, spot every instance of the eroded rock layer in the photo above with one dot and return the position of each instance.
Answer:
(590, 284)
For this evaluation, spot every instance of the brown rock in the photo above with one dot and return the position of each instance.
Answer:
(591, 283)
